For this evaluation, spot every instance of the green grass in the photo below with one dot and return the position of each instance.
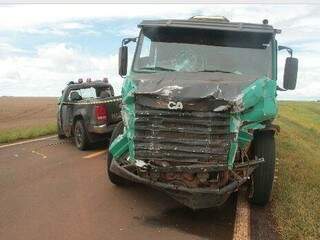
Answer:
(296, 197)
(27, 133)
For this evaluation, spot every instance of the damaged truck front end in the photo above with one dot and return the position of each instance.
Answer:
(192, 105)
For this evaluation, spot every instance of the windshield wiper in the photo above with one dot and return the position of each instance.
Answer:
(158, 68)
(216, 70)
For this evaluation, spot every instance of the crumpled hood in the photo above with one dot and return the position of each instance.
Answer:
(226, 86)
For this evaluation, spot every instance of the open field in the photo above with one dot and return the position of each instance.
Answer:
(296, 198)
(26, 117)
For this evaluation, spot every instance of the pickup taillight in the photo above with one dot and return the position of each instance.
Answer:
(101, 113)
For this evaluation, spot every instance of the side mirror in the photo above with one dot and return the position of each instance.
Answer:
(123, 60)
(290, 73)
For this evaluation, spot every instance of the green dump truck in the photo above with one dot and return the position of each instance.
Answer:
(197, 109)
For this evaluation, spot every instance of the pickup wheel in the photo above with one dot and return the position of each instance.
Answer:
(80, 135)
(262, 177)
(114, 178)
(60, 133)
(61, 136)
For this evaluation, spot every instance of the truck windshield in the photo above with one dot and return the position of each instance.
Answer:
(196, 50)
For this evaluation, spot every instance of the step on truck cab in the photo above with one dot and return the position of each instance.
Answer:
(198, 106)
(88, 111)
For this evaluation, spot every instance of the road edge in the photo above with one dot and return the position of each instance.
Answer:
(27, 141)
(242, 219)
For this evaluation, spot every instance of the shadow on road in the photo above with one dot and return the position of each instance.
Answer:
(213, 223)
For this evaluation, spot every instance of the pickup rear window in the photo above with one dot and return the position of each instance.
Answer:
(89, 93)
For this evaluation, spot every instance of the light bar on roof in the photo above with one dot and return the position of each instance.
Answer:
(210, 18)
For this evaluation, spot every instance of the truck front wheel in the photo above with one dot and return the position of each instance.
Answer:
(80, 135)
(262, 178)
(114, 178)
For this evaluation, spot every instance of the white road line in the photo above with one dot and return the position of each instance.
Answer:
(39, 153)
(28, 141)
(242, 221)
(95, 154)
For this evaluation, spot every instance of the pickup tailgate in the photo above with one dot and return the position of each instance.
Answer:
(113, 107)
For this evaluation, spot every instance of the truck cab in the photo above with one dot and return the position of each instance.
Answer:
(198, 106)
(88, 111)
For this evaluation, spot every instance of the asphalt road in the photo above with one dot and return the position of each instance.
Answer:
(51, 190)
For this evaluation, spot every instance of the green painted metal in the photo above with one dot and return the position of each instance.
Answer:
(119, 146)
(244, 139)
(260, 101)
(124, 142)
(232, 152)
(257, 103)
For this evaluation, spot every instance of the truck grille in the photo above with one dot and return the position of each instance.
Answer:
(180, 136)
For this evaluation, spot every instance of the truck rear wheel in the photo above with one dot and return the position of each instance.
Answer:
(262, 177)
(80, 135)
(114, 178)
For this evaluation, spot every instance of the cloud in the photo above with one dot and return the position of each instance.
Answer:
(128, 32)
(17, 16)
(54, 64)
(59, 29)
(8, 49)
(74, 25)
(47, 73)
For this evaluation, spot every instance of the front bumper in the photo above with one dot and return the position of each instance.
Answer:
(195, 198)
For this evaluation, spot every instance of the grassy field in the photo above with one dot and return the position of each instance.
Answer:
(296, 197)
(15, 134)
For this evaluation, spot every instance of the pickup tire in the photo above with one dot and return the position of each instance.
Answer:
(61, 136)
(60, 132)
(114, 178)
(262, 177)
(80, 135)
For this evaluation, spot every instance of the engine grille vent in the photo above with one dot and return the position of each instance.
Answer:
(181, 136)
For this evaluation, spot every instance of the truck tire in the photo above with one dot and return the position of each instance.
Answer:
(114, 178)
(262, 177)
(80, 135)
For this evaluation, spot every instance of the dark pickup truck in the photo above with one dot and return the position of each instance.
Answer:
(88, 112)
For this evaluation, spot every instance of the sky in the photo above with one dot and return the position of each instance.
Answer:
(43, 47)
